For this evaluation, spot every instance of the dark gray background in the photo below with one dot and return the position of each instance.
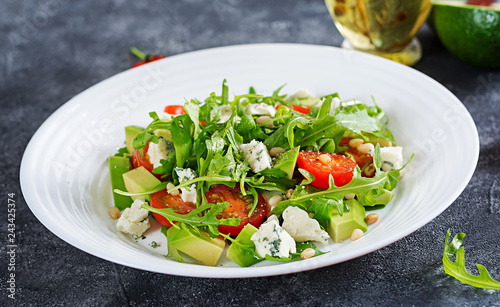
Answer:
(51, 50)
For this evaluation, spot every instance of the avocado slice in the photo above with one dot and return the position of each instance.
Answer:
(385, 198)
(130, 133)
(117, 167)
(140, 180)
(203, 249)
(164, 133)
(286, 161)
(341, 227)
(238, 254)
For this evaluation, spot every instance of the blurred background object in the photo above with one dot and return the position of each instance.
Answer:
(385, 28)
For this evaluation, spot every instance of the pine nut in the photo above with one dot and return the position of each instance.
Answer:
(307, 253)
(354, 143)
(276, 151)
(369, 170)
(325, 159)
(365, 148)
(371, 218)
(349, 196)
(289, 193)
(170, 186)
(273, 201)
(114, 213)
(264, 119)
(356, 234)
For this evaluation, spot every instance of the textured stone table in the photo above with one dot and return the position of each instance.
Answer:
(51, 50)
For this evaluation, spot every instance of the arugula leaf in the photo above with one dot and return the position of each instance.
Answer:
(195, 219)
(181, 134)
(323, 209)
(121, 152)
(249, 130)
(166, 165)
(193, 110)
(457, 269)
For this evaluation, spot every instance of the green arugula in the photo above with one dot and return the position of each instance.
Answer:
(195, 219)
(457, 269)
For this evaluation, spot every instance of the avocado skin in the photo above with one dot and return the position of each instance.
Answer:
(470, 33)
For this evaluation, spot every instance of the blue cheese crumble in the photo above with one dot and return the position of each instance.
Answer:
(188, 194)
(301, 227)
(273, 240)
(391, 158)
(257, 154)
(160, 151)
(134, 220)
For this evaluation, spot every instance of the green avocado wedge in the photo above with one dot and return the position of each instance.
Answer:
(117, 167)
(236, 251)
(287, 160)
(341, 227)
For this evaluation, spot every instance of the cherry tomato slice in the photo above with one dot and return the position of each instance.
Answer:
(238, 208)
(362, 159)
(143, 160)
(340, 167)
(297, 108)
(174, 110)
(162, 200)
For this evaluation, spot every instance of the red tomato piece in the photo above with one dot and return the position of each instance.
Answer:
(174, 109)
(154, 58)
(163, 200)
(143, 160)
(238, 207)
(297, 108)
(340, 167)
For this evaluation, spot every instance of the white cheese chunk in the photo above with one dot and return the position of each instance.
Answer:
(160, 151)
(273, 240)
(301, 227)
(260, 109)
(391, 157)
(188, 194)
(134, 220)
(257, 154)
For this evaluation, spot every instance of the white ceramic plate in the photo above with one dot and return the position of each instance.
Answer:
(65, 179)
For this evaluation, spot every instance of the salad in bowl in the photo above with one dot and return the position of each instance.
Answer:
(260, 177)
